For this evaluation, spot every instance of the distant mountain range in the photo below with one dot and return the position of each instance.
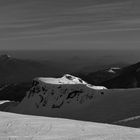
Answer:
(13, 70)
(100, 76)
(129, 77)
(16, 75)
(14, 92)
(115, 77)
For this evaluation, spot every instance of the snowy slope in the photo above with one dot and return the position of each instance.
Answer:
(132, 121)
(74, 99)
(25, 127)
(58, 95)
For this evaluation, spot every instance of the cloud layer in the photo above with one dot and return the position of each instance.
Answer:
(80, 24)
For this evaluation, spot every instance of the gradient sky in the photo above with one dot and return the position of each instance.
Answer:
(69, 24)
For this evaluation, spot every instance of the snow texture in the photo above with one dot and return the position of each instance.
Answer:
(26, 127)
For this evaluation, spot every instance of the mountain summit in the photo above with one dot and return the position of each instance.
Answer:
(68, 79)
(51, 96)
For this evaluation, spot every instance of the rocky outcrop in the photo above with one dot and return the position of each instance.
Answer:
(58, 95)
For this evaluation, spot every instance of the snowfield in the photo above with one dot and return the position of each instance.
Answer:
(72, 98)
(26, 127)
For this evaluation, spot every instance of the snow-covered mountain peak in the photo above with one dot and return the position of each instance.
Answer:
(53, 94)
(66, 79)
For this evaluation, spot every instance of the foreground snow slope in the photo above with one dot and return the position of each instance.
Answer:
(25, 127)
(132, 121)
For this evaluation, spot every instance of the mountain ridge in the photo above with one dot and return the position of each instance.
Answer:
(129, 77)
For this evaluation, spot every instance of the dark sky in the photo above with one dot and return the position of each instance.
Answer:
(69, 24)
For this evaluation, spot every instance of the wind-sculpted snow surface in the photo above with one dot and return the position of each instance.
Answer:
(58, 96)
(25, 127)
